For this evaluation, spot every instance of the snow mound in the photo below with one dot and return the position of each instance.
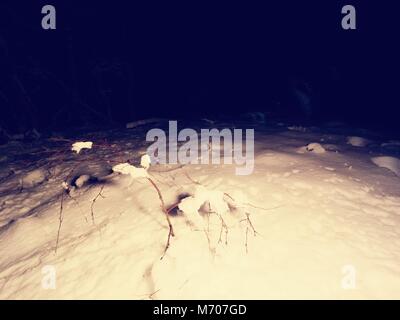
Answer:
(357, 141)
(82, 180)
(215, 198)
(316, 148)
(34, 178)
(391, 163)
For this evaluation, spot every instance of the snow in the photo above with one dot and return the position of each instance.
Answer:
(303, 225)
(391, 163)
(191, 206)
(145, 161)
(126, 168)
(316, 148)
(78, 146)
(312, 147)
(34, 178)
(357, 141)
(82, 180)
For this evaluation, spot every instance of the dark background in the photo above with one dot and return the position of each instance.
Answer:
(110, 62)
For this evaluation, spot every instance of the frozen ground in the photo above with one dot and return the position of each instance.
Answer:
(324, 202)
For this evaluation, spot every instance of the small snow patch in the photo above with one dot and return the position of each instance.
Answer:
(357, 141)
(126, 168)
(34, 178)
(145, 161)
(316, 148)
(391, 163)
(78, 146)
(82, 180)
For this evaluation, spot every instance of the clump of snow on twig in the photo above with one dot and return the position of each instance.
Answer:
(191, 205)
(78, 146)
(145, 161)
(134, 172)
(312, 147)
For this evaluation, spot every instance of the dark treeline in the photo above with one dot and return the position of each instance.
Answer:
(109, 63)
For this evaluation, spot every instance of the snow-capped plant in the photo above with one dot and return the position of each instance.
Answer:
(134, 172)
(191, 205)
(315, 147)
(137, 173)
(220, 204)
(145, 161)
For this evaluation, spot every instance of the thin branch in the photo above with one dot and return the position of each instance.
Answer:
(261, 208)
(223, 226)
(60, 218)
(191, 179)
(171, 230)
(94, 201)
(247, 232)
(250, 224)
(249, 204)
(248, 227)
(173, 206)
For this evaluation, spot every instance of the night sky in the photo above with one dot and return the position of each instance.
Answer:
(112, 62)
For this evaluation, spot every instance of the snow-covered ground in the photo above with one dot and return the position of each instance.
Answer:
(318, 218)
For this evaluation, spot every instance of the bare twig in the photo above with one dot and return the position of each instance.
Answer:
(249, 204)
(173, 206)
(223, 226)
(261, 208)
(191, 179)
(249, 226)
(152, 294)
(171, 230)
(94, 201)
(247, 232)
(60, 218)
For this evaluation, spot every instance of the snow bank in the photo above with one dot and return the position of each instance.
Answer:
(302, 226)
